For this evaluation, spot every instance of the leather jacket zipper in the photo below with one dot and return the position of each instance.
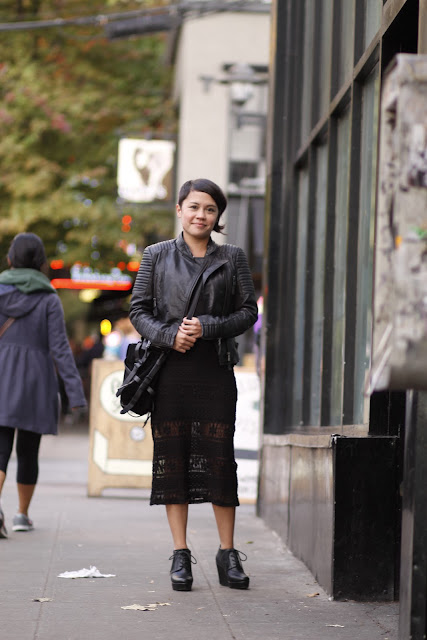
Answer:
(196, 280)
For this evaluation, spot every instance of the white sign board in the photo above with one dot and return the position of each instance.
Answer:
(247, 435)
(144, 171)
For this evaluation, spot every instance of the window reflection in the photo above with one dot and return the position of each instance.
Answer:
(340, 251)
(368, 161)
(318, 284)
(300, 295)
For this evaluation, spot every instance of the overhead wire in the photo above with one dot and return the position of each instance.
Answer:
(198, 7)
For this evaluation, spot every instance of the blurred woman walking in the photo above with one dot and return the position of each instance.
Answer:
(33, 348)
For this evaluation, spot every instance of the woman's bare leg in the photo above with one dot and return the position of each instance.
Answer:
(25, 493)
(2, 479)
(225, 520)
(178, 517)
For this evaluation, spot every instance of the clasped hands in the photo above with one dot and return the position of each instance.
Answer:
(188, 332)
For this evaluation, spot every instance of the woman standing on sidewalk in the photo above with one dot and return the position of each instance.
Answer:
(194, 414)
(33, 341)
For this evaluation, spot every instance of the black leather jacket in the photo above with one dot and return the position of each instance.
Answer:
(167, 274)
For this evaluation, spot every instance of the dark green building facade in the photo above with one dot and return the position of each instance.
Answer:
(331, 464)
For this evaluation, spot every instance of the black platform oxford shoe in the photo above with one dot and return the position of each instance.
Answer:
(230, 571)
(181, 574)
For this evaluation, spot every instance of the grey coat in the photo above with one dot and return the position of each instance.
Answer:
(29, 351)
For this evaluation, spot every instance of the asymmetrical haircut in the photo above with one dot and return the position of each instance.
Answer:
(209, 187)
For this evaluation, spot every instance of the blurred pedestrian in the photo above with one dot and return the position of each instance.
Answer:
(33, 342)
(194, 414)
(257, 333)
(92, 348)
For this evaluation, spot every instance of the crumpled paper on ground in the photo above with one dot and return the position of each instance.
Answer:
(92, 572)
(147, 607)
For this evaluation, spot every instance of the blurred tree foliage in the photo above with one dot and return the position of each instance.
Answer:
(67, 96)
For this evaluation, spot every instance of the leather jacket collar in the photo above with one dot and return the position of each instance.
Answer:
(185, 249)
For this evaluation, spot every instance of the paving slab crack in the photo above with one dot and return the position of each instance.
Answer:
(48, 572)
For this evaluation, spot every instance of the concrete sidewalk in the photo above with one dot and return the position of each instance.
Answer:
(121, 534)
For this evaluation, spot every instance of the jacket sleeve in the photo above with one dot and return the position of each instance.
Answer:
(61, 353)
(245, 307)
(142, 306)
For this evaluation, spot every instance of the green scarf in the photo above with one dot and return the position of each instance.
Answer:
(27, 280)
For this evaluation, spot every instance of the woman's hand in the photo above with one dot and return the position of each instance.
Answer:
(192, 327)
(183, 342)
(187, 335)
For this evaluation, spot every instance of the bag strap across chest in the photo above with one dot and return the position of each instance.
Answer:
(6, 326)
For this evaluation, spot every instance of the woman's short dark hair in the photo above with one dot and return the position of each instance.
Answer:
(209, 187)
(27, 252)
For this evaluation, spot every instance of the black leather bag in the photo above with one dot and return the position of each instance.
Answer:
(143, 363)
(142, 366)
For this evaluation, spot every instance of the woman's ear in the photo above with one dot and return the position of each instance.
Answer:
(178, 210)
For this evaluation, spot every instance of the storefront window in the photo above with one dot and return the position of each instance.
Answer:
(300, 295)
(346, 39)
(340, 252)
(373, 10)
(325, 54)
(308, 69)
(368, 161)
(318, 284)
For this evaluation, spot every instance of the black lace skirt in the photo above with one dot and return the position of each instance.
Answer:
(193, 430)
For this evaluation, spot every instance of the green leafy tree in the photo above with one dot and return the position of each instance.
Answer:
(68, 95)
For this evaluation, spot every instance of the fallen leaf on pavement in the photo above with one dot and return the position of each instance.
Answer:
(312, 595)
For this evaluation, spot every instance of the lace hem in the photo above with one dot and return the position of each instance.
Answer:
(194, 462)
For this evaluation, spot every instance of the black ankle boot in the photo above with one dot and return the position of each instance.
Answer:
(181, 575)
(230, 571)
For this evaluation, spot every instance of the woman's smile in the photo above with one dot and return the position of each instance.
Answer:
(198, 214)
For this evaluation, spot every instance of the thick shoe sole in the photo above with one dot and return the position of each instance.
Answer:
(238, 585)
(22, 527)
(223, 580)
(182, 586)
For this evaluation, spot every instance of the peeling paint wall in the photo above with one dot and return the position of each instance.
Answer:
(400, 300)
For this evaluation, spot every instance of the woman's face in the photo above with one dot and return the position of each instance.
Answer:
(198, 214)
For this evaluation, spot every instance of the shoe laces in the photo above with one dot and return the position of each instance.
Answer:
(183, 559)
(236, 557)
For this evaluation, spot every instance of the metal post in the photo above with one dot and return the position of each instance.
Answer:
(413, 566)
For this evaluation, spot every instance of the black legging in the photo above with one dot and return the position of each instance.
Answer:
(27, 453)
